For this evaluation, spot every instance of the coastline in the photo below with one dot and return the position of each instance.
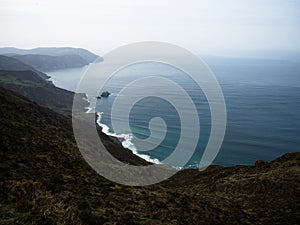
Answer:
(253, 148)
(123, 140)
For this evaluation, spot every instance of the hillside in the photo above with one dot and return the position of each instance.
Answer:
(44, 180)
(12, 64)
(28, 83)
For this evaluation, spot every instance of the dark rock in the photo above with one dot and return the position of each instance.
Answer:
(105, 94)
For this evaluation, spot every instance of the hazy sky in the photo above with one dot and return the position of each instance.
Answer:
(210, 27)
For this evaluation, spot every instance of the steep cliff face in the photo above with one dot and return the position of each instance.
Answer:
(44, 180)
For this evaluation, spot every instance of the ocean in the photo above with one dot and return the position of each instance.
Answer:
(262, 99)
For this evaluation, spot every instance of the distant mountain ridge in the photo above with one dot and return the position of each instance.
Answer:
(46, 59)
(53, 51)
(48, 62)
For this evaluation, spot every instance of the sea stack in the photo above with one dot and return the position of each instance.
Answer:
(105, 94)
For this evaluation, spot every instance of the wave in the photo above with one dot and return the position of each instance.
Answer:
(86, 99)
(126, 140)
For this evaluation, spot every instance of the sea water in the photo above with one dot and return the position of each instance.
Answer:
(262, 101)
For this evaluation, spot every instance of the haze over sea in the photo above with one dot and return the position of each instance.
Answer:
(262, 99)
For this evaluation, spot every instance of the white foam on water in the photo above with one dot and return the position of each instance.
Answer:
(126, 140)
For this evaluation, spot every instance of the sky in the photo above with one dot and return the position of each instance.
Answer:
(203, 27)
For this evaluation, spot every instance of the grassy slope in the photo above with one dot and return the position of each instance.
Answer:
(44, 180)
(37, 89)
(12, 64)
